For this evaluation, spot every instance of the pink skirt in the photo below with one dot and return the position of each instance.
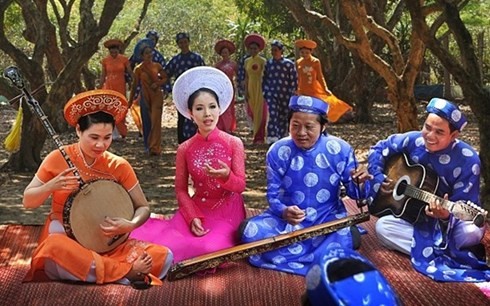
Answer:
(176, 235)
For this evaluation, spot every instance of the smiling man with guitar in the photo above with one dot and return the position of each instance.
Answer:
(428, 184)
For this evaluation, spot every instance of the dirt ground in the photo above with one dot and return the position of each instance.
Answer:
(156, 174)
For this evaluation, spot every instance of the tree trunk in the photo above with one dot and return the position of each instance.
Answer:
(28, 159)
(63, 62)
(447, 76)
(465, 70)
(484, 128)
(404, 106)
(361, 87)
(398, 70)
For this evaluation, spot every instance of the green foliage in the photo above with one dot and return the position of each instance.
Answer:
(206, 21)
(475, 14)
(271, 19)
(209, 20)
(14, 26)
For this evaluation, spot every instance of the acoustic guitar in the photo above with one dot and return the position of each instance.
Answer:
(413, 187)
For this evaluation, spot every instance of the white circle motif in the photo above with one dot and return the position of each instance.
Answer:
(310, 179)
(431, 269)
(456, 115)
(295, 248)
(467, 152)
(321, 161)
(334, 178)
(341, 167)
(440, 104)
(456, 172)
(305, 101)
(297, 163)
(295, 265)
(444, 159)
(323, 195)
(360, 277)
(298, 197)
(427, 252)
(313, 278)
(277, 260)
(284, 153)
(475, 169)
(333, 147)
(270, 222)
(251, 230)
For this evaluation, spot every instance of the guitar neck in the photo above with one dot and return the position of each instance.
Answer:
(426, 196)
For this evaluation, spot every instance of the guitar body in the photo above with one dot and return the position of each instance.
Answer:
(401, 172)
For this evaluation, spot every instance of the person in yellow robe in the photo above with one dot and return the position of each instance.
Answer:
(254, 70)
(311, 81)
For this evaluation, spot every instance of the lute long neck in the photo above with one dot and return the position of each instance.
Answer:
(13, 74)
(36, 109)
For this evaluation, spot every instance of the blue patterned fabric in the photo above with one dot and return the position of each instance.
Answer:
(448, 111)
(135, 59)
(146, 122)
(278, 44)
(344, 277)
(181, 35)
(153, 33)
(175, 67)
(311, 180)
(307, 104)
(279, 83)
(434, 251)
(241, 72)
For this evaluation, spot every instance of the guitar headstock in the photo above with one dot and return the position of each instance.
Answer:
(469, 211)
(13, 74)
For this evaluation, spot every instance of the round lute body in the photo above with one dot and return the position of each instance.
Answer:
(85, 211)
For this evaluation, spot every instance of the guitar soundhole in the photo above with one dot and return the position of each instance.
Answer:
(400, 187)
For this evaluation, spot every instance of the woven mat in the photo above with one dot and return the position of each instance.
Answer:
(239, 284)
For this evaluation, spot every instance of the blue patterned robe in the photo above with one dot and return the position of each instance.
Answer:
(175, 67)
(434, 252)
(310, 179)
(279, 84)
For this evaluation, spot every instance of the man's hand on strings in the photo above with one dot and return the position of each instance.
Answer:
(436, 210)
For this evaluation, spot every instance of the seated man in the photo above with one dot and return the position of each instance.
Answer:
(441, 246)
(305, 173)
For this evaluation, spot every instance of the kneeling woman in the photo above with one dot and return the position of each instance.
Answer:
(305, 172)
(94, 115)
(208, 218)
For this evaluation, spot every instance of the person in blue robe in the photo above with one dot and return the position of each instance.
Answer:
(441, 246)
(180, 63)
(279, 83)
(305, 175)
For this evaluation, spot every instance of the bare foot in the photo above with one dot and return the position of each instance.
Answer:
(141, 266)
